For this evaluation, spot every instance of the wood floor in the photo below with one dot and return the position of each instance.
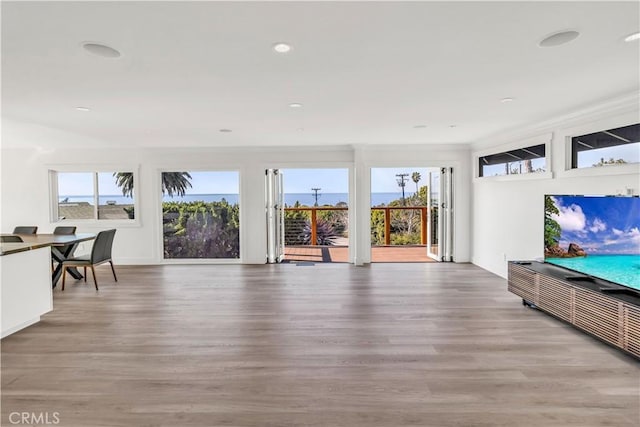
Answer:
(325, 345)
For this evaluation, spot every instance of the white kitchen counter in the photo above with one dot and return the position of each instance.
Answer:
(25, 281)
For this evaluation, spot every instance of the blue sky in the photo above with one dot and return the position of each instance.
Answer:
(218, 182)
(628, 152)
(383, 180)
(303, 180)
(600, 225)
(76, 184)
(81, 184)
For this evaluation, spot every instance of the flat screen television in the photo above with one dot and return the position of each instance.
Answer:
(598, 236)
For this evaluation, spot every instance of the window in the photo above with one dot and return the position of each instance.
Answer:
(201, 214)
(93, 195)
(514, 162)
(606, 148)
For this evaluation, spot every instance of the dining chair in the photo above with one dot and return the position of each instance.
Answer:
(65, 230)
(11, 239)
(100, 253)
(31, 229)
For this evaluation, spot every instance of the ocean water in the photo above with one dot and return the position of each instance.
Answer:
(623, 269)
(290, 199)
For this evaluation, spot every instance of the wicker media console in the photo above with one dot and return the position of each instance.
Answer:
(606, 311)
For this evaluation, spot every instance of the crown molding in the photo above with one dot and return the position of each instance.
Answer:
(625, 103)
(412, 147)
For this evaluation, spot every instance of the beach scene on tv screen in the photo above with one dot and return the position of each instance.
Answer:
(598, 236)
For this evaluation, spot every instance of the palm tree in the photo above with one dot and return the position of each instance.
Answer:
(124, 180)
(173, 183)
(415, 177)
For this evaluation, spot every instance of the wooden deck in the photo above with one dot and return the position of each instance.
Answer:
(417, 253)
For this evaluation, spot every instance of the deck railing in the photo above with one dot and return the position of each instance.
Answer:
(387, 221)
(310, 225)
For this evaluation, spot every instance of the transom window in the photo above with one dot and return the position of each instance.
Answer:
(514, 162)
(606, 148)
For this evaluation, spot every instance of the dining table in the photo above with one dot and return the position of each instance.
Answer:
(62, 248)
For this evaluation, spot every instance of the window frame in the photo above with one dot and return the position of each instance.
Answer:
(544, 139)
(573, 153)
(158, 200)
(566, 134)
(54, 217)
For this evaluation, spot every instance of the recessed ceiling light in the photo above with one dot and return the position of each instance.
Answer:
(632, 37)
(100, 50)
(505, 100)
(226, 130)
(282, 47)
(295, 105)
(559, 38)
(420, 126)
(85, 109)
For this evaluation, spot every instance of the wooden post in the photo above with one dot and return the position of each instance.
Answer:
(314, 227)
(387, 226)
(423, 226)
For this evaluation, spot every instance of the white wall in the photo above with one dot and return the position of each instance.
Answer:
(508, 212)
(25, 184)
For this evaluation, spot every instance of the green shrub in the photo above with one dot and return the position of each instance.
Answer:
(201, 229)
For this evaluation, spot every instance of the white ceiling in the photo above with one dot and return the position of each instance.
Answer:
(366, 73)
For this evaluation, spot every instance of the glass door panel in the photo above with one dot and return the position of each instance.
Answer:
(434, 229)
(440, 232)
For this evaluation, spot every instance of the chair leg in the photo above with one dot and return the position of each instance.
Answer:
(85, 273)
(113, 271)
(64, 276)
(95, 279)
